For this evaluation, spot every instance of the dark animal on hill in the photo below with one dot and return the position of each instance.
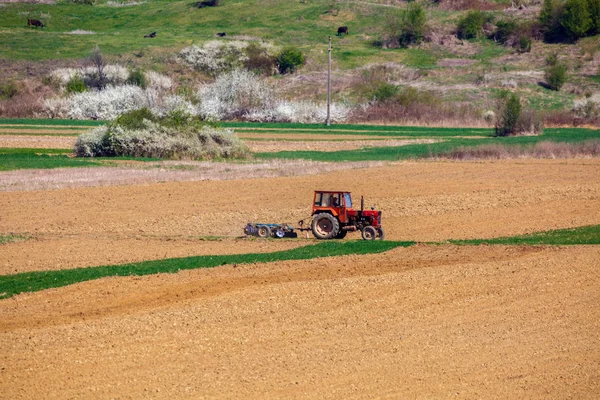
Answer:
(206, 3)
(342, 29)
(221, 34)
(150, 35)
(35, 23)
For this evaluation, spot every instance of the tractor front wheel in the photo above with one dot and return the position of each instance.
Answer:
(325, 226)
(380, 233)
(369, 233)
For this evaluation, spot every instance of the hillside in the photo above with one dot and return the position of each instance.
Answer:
(453, 72)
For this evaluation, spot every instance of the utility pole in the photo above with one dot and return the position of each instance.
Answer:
(329, 85)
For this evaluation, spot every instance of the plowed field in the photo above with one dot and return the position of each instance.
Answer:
(432, 321)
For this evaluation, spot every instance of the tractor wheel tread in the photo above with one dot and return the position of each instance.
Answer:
(325, 226)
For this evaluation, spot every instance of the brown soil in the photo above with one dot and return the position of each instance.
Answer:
(37, 141)
(427, 321)
(36, 131)
(272, 146)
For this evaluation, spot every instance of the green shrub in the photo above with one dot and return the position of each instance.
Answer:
(137, 78)
(576, 19)
(134, 119)
(552, 59)
(509, 110)
(550, 16)
(594, 9)
(413, 25)
(76, 85)
(8, 90)
(505, 30)
(88, 2)
(556, 76)
(471, 25)
(524, 44)
(385, 92)
(402, 30)
(289, 59)
(410, 96)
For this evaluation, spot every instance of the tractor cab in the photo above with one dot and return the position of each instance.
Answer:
(336, 203)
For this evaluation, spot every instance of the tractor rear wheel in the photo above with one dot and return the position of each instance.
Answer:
(369, 233)
(264, 231)
(380, 233)
(325, 226)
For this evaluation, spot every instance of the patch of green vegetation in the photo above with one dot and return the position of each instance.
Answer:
(489, 51)
(573, 236)
(12, 237)
(419, 58)
(118, 30)
(12, 159)
(568, 135)
(34, 151)
(546, 99)
(11, 285)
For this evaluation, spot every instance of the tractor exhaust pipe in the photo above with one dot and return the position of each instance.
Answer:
(362, 203)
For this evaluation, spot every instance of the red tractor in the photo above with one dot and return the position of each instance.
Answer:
(333, 217)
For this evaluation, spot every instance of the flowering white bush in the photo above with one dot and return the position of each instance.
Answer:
(108, 103)
(587, 108)
(301, 112)
(115, 74)
(156, 140)
(216, 57)
(174, 103)
(234, 94)
(158, 81)
(57, 107)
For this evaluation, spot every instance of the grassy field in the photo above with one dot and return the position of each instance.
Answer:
(450, 139)
(565, 135)
(13, 159)
(575, 236)
(120, 30)
(11, 285)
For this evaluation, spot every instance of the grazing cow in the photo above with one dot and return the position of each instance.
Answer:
(221, 34)
(150, 35)
(35, 23)
(206, 3)
(342, 29)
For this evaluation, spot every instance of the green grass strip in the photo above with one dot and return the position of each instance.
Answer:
(50, 122)
(566, 135)
(12, 238)
(11, 285)
(33, 159)
(573, 236)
